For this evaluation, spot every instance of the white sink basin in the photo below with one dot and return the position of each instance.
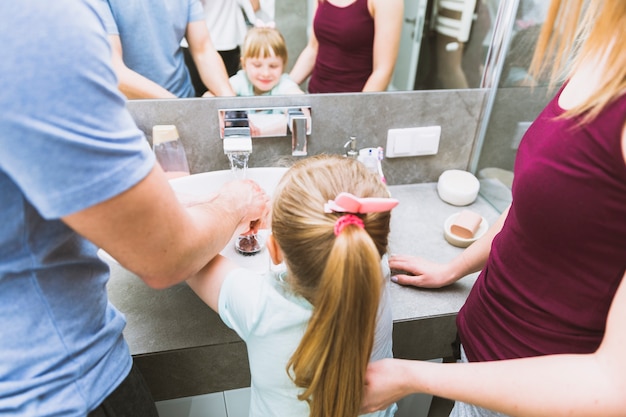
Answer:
(207, 183)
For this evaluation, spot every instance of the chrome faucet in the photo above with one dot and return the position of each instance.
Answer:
(237, 132)
(237, 140)
(297, 122)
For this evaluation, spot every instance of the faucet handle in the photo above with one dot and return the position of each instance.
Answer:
(297, 123)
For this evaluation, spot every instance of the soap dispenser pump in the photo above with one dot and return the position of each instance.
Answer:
(350, 145)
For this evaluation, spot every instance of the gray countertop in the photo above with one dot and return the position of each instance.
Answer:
(183, 348)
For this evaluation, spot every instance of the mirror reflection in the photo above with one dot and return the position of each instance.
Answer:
(440, 43)
(352, 46)
(265, 121)
(433, 44)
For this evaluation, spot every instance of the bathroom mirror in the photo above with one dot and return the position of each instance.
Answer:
(265, 121)
(425, 60)
(419, 65)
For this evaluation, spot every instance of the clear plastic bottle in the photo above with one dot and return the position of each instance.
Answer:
(169, 151)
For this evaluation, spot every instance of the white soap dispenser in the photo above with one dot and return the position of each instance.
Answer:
(371, 157)
(169, 151)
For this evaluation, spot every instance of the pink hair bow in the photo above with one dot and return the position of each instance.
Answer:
(348, 203)
(261, 24)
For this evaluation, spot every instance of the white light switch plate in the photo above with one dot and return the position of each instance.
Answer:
(414, 141)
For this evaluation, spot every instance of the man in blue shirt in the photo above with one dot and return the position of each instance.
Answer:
(148, 58)
(77, 174)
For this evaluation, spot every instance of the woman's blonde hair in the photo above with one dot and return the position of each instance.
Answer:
(578, 31)
(341, 276)
(263, 42)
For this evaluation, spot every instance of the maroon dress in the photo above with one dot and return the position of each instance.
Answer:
(556, 265)
(345, 37)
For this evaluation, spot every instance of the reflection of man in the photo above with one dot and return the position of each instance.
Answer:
(146, 38)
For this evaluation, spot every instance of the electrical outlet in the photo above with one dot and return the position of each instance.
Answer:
(414, 141)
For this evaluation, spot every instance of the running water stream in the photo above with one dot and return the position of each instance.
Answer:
(246, 245)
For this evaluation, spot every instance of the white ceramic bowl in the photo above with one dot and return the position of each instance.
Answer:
(458, 187)
(458, 241)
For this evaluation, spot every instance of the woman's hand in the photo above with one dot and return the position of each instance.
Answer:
(386, 381)
(421, 273)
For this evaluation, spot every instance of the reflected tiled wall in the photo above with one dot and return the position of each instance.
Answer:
(335, 117)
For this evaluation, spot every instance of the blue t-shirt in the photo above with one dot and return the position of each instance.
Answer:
(67, 143)
(151, 32)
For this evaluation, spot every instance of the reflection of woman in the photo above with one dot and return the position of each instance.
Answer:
(353, 46)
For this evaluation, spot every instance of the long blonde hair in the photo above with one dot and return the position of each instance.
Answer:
(576, 31)
(340, 276)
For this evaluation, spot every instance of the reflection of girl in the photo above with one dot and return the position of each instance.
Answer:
(353, 46)
(263, 60)
(310, 331)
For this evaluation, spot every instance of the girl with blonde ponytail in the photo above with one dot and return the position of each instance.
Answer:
(312, 330)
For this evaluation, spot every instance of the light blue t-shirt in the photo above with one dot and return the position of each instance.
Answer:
(272, 320)
(67, 142)
(243, 87)
(151, 32)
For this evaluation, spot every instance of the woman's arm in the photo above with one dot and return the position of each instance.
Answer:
(555, 385)
(432, 275)
(306, 60)
(131, 83)
(388, 15)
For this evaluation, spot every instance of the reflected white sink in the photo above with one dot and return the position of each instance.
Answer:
(207, 183)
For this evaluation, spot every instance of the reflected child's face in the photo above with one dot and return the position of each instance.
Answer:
(263, 73)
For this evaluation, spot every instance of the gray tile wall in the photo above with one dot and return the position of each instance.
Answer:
(335, 117)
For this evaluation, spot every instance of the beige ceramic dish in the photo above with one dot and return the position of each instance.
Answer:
(459, 241)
